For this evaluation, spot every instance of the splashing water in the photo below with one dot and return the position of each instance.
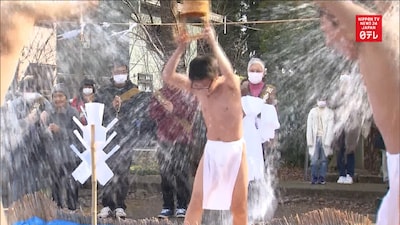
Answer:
(304, 70)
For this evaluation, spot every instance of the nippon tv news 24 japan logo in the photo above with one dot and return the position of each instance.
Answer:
(368, 28)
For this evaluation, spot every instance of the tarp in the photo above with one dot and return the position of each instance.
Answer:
(38, 221)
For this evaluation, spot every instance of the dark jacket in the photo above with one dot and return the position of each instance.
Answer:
(134, 128)
(106, 96)
(347, 128)
(58, 144)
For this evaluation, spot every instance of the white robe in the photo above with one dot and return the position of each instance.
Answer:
(257, 131)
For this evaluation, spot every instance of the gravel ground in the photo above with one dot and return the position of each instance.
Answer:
(149, 207)
(146, 204)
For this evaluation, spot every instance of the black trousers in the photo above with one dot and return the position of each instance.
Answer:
(174, 161)
(64, 181)
(115, 191)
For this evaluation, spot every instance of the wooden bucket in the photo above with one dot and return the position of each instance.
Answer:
(194, 9)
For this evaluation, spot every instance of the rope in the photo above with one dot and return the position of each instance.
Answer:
(236, 23)
(214, 23)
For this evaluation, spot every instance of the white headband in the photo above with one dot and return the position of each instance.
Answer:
(255, 60)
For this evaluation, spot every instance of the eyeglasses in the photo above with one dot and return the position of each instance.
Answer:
(329, 16)
(199, 85)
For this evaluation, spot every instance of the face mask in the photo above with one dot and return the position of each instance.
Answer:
(87, 91)
(120, 78)
(255, 77)
(30, 96)
(321, 104)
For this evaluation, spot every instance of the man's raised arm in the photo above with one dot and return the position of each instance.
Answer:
(223, 61)
(169, 73)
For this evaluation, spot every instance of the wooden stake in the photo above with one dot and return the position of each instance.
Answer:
(3, 219)
(94, 178)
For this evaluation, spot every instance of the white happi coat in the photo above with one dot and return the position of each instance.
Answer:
(257, 131)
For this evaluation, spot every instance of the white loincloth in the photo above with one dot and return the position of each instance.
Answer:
(389, 211)
(221, 165)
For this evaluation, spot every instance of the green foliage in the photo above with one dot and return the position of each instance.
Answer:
(256, 11)
(144, 170)
(231, 35)
(145, 163)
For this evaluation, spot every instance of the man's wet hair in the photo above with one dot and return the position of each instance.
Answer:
(203, 67)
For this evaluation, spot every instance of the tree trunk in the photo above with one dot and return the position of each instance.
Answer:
(169, 8)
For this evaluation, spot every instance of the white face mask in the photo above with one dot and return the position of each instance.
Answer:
(255, 77)
(321, 104)
(87, 91)
(120, 78)
(30, 96)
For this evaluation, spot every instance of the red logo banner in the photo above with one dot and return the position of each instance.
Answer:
(368, 28)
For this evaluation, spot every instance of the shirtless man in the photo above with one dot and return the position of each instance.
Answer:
(379, 65)
(221, 179)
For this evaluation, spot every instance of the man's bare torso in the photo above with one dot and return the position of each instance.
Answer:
(222, 110)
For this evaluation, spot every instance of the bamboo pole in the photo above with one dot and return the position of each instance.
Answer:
(3, 219)
(94, 178)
